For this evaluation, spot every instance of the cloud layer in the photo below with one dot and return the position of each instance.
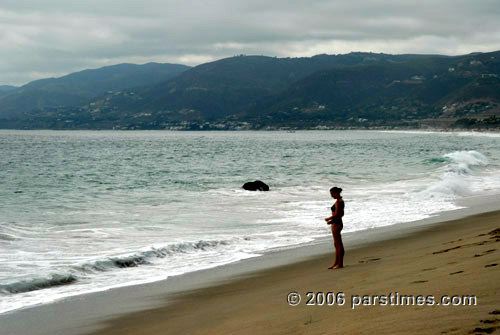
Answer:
(40, 39)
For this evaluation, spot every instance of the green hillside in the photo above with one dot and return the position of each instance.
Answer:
(6, 89)
(419, 88)
(77, 88)
(214, 90)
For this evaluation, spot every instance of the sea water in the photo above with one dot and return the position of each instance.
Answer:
(84, 211)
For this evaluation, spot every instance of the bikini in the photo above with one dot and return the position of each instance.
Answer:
(338, 218)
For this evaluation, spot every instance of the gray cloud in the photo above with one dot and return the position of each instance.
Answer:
(51, 38)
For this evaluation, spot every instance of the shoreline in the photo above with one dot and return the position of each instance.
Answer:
(451, 259)
(486, 131)
(84, 313)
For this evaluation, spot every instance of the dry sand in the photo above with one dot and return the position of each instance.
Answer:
(460, 257)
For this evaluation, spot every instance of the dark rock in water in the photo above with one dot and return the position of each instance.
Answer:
(256, 186)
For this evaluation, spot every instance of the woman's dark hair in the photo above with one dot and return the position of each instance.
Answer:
(335, 189)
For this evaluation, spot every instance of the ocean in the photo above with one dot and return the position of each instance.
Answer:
(85, 211)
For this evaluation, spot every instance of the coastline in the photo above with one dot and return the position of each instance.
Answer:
(453, 259)
(444, 130)
(86, 313)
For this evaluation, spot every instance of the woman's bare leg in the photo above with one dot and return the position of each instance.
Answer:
(339, 249)
(335, 245)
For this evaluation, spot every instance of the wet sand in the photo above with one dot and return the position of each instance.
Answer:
(459, 257)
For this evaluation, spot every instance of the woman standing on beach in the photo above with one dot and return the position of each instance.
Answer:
(336, 221)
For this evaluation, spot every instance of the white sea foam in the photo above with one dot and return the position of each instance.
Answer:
(439, 132)
(479, 134)
(455, 180)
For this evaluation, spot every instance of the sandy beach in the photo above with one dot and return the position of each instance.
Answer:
(454, 258)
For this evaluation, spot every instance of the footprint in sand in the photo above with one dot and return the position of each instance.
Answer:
(495, 234)
(445, 250)
(456, 240)
(429, 269)
(370, 260)
(490, 325)
(419, 281)
(485, 253)
(489, 321)
(454, 273)
(466, 245)
(490, 265)
(489, 330)
(482, 242)
(373, 259)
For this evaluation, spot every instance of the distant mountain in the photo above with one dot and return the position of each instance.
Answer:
(253, 92)
(6, 89)
(214, 90)
(77, 88)
(419, 88)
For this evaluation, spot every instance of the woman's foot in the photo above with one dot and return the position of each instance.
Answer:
(337, 267)
(332, 267)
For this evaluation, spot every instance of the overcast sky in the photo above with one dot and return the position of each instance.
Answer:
(50, 38)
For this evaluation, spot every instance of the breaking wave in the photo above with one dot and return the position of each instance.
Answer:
(74, 273)
(454, 179)
(37, 283)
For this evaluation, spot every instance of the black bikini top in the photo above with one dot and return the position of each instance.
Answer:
(341, 209)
